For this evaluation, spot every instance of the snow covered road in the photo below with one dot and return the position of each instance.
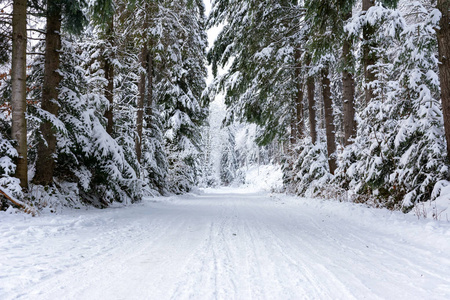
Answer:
(225, 244)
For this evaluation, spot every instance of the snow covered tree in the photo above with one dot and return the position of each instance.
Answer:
(90, 165)
(102, 14)
(261, 41)
(228, 162)
(56, 11)
(397, 157)
(179, 86)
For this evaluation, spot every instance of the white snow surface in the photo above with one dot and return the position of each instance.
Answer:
(225, 244)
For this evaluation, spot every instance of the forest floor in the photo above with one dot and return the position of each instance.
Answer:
(225, 244)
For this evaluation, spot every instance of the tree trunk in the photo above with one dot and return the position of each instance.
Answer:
(141, 101)
(149, 100)
(46, 147)
(348, 92)
(18, 82)
(329, 121)
(109, 76)
(443, 35)
(368, 57)
(299, 95)
(292, 137)
(312, 110)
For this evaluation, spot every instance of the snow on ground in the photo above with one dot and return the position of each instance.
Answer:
(225, 244)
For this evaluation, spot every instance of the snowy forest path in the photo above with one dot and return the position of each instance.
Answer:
(225, 244)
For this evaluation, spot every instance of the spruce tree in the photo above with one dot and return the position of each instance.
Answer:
(103, 13)
(56, 12)
(18, 89)
(443, 37)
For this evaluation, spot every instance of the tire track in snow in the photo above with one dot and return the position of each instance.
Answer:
(220, 246)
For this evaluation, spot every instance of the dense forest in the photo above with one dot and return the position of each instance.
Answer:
(354, 94)
(106, 101)
(101, 101)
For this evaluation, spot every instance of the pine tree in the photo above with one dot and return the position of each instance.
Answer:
(369, 56)
(443, 38)
(18, 93)
(401, 128)
(73, 19)
(179, 87)
(348, 82)
(262, 84)
(103, 12)
(329, 120)
(228, 162)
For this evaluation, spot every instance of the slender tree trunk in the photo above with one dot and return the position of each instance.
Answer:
(348, 92)
(149, 100)
(18, 82)
(46, 147)
(312, 110)
(368, 57)
(443, 35)
(329, 121)
(299, 96)
(292, 137)
(141, 101)
(109, 76)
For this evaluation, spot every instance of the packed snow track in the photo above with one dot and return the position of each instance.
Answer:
(225, 244)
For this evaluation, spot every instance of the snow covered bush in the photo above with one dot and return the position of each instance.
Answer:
(309, 172)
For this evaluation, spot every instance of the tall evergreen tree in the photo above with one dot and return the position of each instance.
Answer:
(18, 92)
(261, 86)
(179, 89)
(329, 120)
(369, 55)
(73, 21)
(103, 12)
(444, 66)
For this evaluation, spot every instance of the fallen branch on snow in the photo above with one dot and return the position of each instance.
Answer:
(26, 208)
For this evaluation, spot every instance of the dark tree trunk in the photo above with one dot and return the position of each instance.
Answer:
(141, 101)
(292, 137)
(18, 82)
(368, 57)
(299, 96)
(348, 92)
(109, 76)
(149, 99)
(443, 35)
(329, 121)
(46, 147)
(312, 110)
